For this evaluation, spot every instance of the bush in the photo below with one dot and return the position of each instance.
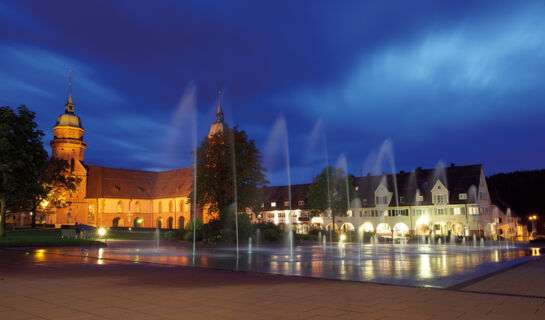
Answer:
(188, 234)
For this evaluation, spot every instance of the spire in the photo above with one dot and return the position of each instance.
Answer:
(69, 107)
(219, 113)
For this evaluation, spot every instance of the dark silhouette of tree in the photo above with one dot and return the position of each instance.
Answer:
(524, 191)
(22, 159)
(334, 198)
(220, 159)
(55, 182)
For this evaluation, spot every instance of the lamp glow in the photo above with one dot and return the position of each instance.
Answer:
(102, 232)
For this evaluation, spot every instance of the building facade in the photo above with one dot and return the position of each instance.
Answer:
(440, 201)
(114, 197)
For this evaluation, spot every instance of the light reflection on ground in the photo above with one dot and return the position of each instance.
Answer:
(435, 265)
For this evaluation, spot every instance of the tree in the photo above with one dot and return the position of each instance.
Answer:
(55, 182)
(331, 191)
(220, 159)
(22, 159)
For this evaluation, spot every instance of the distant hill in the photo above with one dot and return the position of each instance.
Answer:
(524, 191)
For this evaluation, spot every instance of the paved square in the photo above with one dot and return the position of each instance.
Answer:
(35, 286)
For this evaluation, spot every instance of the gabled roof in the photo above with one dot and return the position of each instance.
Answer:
(279, 194)
(105, 182)
(457, 179)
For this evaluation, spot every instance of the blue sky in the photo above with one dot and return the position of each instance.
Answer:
(419, 82)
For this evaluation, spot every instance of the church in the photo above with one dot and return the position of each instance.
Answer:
(115, 197)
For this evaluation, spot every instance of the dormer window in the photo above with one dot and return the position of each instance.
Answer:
(116, 188)
(462, 196)
(141, 189)
(420, 198)
(286, 203)
(364, 201)
(402, 199)
(382, 200)
(273, 204)
(301, 202)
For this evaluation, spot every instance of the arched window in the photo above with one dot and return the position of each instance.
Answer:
(170, 206)
(137, 207)
(72, 163)
(170, 222)
(160, 209)
(120, 206)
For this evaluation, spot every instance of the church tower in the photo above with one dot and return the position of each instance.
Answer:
(68, 144)
(219, 126)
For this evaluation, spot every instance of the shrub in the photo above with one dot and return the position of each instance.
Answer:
(188, 234)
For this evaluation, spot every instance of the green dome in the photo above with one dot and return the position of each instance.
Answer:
(68, 119)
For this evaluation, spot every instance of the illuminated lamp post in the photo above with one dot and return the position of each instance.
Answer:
(533, 219)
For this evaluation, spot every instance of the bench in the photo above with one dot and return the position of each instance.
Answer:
(68, 233)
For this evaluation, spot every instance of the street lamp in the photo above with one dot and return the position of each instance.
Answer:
(533, 219)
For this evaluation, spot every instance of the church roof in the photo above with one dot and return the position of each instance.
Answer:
(69, 120)
(103, 182)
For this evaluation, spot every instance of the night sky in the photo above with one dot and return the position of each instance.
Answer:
(417, 82)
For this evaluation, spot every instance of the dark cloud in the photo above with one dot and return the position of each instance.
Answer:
(452, 80)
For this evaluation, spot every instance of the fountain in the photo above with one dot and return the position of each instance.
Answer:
(156, 237)
(324, 245)
(290, 239)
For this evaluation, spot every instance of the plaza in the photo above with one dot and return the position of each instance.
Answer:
(34, 285)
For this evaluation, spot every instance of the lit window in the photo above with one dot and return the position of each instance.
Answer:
(137, 207)
(301, 202)
(420, 198)
(462, 196)
(273, 204)
(286, 203)
(440, 212)
(364, 201)
(440, 198)
(457, 211)
(402, 199)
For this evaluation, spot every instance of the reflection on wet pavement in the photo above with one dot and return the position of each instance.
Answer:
(414, 265)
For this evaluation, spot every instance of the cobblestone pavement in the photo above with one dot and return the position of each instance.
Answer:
(40, 286)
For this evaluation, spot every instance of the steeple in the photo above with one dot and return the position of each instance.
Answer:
(219, 113)
(219, 126)
(69, 107)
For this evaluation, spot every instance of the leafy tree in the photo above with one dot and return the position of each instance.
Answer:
(22, 159)
(220, 159)
(55, 182)
(330, 191)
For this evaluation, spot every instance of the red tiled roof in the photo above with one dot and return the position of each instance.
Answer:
(105, 182)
